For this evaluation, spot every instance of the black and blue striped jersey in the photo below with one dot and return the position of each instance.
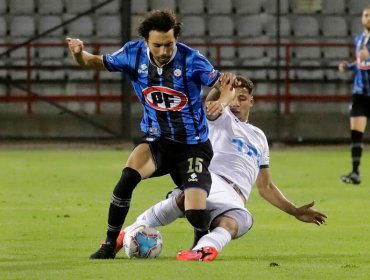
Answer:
(171, 96)
(361, 83)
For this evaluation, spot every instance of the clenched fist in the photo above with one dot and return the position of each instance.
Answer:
(343, 66)
(75, 45)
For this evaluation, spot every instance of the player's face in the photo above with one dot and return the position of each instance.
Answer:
(366, 19)
(241, 104)
(161, 46)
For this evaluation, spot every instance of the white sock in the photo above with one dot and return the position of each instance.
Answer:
(218, 238)
(162, 213)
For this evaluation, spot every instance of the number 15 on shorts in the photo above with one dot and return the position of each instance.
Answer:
(195, 165)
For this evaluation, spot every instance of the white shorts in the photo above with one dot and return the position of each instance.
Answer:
(223, 198)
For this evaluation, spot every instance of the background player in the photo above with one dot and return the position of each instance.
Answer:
(241, 159)
(360, 110)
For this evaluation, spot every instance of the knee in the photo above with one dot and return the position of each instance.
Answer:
(238, 222)
(230, 224)
(180, 200)
(198, 218)
(244, 220)
(127, 183)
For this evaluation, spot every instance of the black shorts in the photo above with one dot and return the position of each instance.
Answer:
(186, 163)
(360, 106)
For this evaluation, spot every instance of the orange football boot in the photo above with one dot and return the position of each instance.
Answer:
(204, 254)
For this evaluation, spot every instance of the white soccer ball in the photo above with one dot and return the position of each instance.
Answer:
(143, 242)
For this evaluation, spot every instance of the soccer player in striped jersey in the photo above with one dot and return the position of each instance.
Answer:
(167, 77)
(360, 109)
(241, 159)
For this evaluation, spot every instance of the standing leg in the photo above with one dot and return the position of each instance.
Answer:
(195, 208)
(139, 165)
(356, 150)
(358, 126)
(196, 182)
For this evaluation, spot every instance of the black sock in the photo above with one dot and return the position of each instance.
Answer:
(120, 202)
(197, 236)
(356, 150)
(198, 218)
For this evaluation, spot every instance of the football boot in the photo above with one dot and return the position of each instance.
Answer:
(204, 254)
(351, 178)
(106, 251)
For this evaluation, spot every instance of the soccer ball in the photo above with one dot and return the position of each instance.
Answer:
(143, 242)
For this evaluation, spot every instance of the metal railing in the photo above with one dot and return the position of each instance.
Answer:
(97, 84)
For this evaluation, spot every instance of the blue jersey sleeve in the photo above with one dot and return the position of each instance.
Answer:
(203, 70)
(352, 66)
(119, 60)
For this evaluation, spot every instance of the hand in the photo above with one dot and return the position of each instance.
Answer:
(343, 66)
(214, 108)
(75, 45)
(228, 79)
(307, 214)
(363, 54)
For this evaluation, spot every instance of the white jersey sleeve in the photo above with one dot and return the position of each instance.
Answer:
(240, 150)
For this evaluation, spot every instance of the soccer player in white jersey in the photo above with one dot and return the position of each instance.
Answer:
(241, 159)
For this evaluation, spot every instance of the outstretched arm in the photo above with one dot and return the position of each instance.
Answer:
(345, 66)
(84, 58)
(269, 191)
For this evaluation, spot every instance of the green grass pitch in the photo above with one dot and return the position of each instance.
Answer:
(53, 210)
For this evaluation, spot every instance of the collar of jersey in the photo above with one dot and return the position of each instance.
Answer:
(233, 116)
(152, 62)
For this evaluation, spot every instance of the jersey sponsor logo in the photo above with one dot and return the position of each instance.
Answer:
(177, 72)
(247, 149)
(150, 139)
(153, 130)
(143, 69)
(193, 178)
(164, 98)
(110, 58)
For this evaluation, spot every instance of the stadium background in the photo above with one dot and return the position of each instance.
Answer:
(301, 97)
(53, 203)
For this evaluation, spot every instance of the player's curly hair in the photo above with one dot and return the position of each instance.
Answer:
(159, 20)
(246, 83)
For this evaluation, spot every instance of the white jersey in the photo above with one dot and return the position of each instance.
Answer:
(240, 150)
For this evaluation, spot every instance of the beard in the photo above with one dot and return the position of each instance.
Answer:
(163, 59)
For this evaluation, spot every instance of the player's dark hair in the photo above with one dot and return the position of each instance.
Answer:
(159, 20)
(246, 83)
